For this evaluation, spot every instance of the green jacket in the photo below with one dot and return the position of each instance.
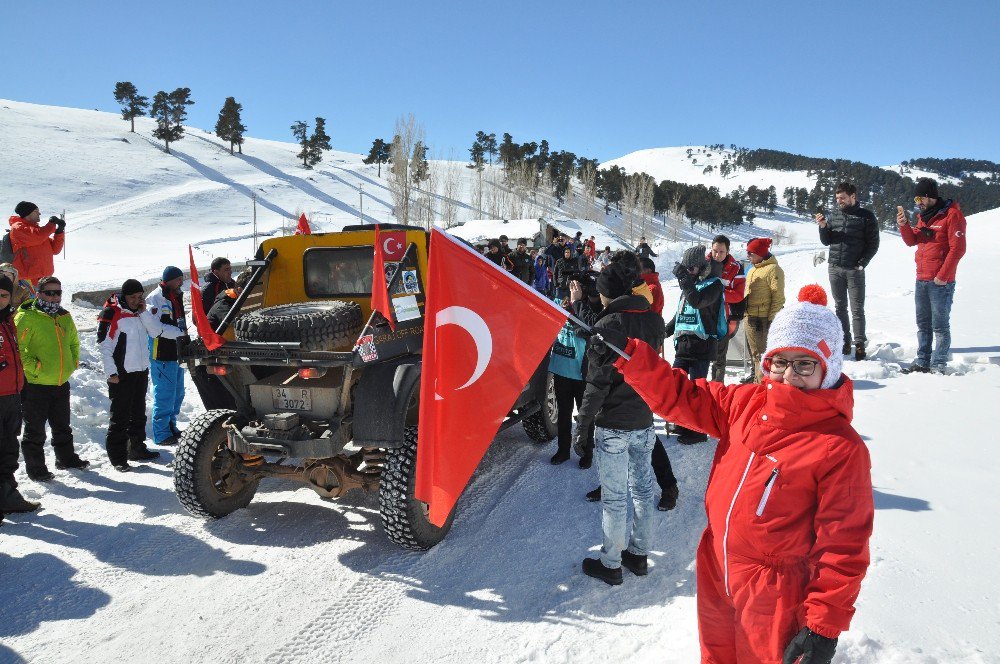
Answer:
(50, 347)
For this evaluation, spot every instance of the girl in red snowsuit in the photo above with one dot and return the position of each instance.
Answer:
(789, 497)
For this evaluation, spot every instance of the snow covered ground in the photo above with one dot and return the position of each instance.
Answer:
(112, 569)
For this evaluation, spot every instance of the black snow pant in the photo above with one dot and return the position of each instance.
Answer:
(41, 404)
(569, 392)
(127, 429)
(10, 427)
(661, 466)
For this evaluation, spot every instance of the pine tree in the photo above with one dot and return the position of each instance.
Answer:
(133, 104)
(490, 146)
(318, 142)
(170, 110)
(300, 130)
(379, 154)
(477, 155)
(230, 127)
(419, 168)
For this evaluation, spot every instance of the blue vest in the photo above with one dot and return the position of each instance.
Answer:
(566, 359)
(689, 318)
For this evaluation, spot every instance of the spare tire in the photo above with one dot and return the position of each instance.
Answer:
(326, 325)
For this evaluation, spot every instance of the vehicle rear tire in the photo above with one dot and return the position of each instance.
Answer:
(543, 425)
(206, 476)
(404, 518)
(326, 325)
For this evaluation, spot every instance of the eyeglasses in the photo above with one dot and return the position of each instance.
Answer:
(919, 199)
(51, 293)
(800, 367)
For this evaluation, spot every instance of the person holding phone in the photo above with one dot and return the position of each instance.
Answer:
(939, 236)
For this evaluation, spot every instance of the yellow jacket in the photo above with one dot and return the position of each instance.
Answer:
(765, 289)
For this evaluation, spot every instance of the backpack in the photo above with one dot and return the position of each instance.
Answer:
(689, 319)
(6, 249)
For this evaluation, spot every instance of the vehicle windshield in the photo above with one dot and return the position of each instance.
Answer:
(335, 271)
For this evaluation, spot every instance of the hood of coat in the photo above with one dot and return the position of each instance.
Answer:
(788, 407)
(631, 303)
(20, 220)
(770, 260)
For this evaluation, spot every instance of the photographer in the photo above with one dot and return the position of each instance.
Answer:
(566, 268)
(35, 245)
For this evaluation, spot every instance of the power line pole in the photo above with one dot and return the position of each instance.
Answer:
(361, 202)
(253, 248)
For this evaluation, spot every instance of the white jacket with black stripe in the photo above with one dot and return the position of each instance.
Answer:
(122, 337)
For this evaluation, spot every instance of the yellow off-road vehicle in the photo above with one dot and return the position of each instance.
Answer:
(306, 389)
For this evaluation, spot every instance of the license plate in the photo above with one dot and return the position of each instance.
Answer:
(291, 398)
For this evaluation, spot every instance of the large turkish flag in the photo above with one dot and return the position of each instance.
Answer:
(485, 333)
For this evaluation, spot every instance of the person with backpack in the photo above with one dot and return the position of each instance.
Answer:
(567, 366)
(11, 384)
(123, 328)
(734, 282)
(29, 246)
(22, 288)
(699, 323)
(50, 352)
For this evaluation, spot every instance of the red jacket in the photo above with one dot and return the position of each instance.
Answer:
(34, 246)
(652, 280)
(940, 243)
(734, 280)
(11, 371)
(790, 481)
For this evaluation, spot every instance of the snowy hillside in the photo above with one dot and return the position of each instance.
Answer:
(112, 569)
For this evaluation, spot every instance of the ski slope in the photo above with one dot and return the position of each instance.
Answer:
(112, 569)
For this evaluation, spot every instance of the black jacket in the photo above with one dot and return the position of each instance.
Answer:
(644, 251)
(706, 301)
(852, 235)
(564, 268)
(608, 400)
(223, 303)
(211, 289)
(521, 265)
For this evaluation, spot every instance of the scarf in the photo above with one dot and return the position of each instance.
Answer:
(51, 308)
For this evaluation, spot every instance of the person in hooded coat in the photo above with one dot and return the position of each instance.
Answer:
(123, 330)
(789, 498)
(23, 290)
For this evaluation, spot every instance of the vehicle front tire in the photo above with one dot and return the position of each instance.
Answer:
(207, 475)
(543, 425)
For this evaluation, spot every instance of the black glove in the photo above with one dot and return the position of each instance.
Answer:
(182, 342)
(812, 647)
(679, 271)
(581, 435)
(604, 336)
(60, 223)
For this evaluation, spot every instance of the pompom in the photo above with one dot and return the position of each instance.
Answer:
(814, 294)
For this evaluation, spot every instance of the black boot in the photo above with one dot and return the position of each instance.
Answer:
(74, 463)
(859, 352)
(916, 368)
(595, 568)
(847, 347)
(668, 498)
(143, 453)
(587, 460)
(42, 474)
(12, 501)
(559, 457)
(635, 563)
(594, 496)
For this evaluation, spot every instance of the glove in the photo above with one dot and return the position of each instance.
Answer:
(581, 435)
(60, 223)
(182, 342)
(812, 647)
(605, 336)
(679, 271)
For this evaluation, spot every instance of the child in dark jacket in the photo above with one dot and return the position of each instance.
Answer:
(789, 497)
(624, 434)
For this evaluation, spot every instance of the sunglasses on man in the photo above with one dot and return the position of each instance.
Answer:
(51, 293)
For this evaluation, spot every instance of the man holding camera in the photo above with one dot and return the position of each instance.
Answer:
(851, 232)
(35, 245)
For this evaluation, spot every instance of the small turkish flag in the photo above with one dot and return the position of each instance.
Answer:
(205, 331)
(485, 334)
(303, 227)
(380, 292)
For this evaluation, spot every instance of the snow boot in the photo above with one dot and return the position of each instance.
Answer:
(75, 463)
(916, 368)
(559, 457)
(587, 460)
(169, 441)
(595, 568)
(143, 453)
(41, 475)
(668, 498)
(847, 348)
(594, 496)
(859, 352)
(635, 563)
(11, 500)
(122, 467)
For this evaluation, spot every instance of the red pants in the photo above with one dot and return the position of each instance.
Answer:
(755, 623)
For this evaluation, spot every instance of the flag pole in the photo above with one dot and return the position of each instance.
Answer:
(588, 329)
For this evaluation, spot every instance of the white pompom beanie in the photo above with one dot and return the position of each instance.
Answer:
(809, 326)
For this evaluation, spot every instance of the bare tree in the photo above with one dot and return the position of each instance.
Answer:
(588, 186)
(450, 191)
(408, 133)
(628, 205)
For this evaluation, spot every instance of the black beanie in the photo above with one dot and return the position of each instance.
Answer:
(6, 284)
(132, 286)
(613, 281)
(926, 187)
(24, 208)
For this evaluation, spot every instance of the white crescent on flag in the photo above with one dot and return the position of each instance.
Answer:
(477, 328)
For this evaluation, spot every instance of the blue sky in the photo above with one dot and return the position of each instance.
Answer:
(876, 81)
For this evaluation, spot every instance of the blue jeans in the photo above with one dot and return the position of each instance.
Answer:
(933, 323)
(624, 461)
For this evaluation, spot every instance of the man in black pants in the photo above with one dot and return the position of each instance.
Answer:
(11, 384)
(122, 337)
(852, 234)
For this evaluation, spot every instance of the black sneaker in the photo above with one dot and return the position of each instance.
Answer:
(143, 455)
(122, 467)
(77, 464)
(635, 563)
(668, 499)
(12, 502)
(595, 568)
(916, 368)
(559, 457)
(43, 475)
(594, 496)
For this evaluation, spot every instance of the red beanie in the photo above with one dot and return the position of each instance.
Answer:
(760, 246)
